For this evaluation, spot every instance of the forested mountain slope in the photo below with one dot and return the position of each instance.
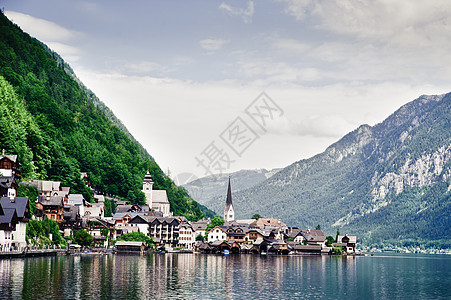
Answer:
(58, 131)
(390, 182)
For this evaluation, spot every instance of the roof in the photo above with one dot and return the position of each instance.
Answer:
(93, 211)
(99, 198)
(11, 157)
(293, 233)
(119, 216)
(44, 185)
(159, 196)
(262, 222)
(307, 247)
(20, 204)
(352, 238)
(229, 197)
(314, 235)
(6, 181)
(50, 201)
(147, 178)
(71, 214)
(75, 199)
(129, 243)
(123, 208)
(7, 216)
(200, 225)
(245, 221)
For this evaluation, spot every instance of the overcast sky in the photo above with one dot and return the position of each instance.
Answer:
(185, 76)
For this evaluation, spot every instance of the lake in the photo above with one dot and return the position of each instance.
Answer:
(198, 276)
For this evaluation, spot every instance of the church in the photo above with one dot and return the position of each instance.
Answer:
(156, 199)
(229, 212)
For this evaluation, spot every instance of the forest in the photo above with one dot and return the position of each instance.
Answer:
(59, 128)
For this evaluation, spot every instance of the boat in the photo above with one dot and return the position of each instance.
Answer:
(225, 252)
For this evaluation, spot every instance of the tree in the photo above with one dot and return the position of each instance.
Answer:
(336, 236)
(83, 238)
(137, 237)
(216, 221)
(31, 192)
(318, 227)
(256, 216)
(200, 238)
(330, 240)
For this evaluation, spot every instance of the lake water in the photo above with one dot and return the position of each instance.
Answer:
(197, 276)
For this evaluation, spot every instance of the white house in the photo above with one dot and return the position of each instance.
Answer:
(217, 234)
(187, 236)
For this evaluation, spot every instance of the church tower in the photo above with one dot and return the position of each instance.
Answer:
(147, 188)
(229, 213)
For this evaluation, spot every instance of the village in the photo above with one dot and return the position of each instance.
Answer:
(154, 219)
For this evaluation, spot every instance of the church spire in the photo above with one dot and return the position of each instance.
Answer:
(229, 213)
(229, 195)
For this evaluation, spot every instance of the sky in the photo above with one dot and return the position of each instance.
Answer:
(218, 86)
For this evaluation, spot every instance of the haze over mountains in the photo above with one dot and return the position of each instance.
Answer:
(205, 188)
(388, 182)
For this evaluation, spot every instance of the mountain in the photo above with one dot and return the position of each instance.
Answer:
(59, 128)
(205, 188)
(387, 183)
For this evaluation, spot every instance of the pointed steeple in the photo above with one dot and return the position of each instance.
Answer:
(229, 195)
(229, 213)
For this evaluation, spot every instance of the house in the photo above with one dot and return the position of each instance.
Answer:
(236, 234)
(347, 242)
(51, 207)
(218, 233)
(131, 247)
(314, 237)
(71, 219)
(163, 230)
(100, 230)
(200, 227)
(94, 209)
(9, 174)
(187, 236)
(254, 234)
(14, 215)
(77, 200)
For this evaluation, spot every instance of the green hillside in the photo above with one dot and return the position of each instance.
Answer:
(59, 128)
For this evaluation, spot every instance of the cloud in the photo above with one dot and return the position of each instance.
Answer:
(403, 21)
(245, 13)
(54, 35)
(290, 45)
(40, 28)
(213, 44)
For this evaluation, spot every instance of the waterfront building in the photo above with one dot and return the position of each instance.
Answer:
(187, 236)
(347, 242)
(218, 233)
(14, 215)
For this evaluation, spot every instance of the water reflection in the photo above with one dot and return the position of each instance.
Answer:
(188, 276)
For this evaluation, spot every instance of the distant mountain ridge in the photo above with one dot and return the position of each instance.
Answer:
(206, 188)
(388, 182)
